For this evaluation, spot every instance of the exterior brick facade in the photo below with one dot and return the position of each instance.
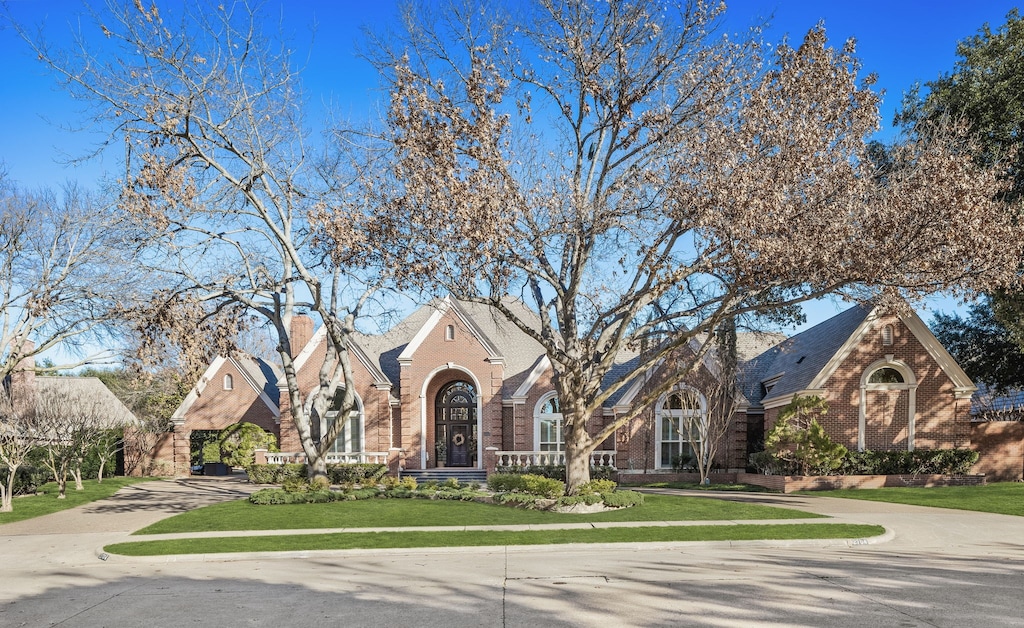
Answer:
(921, 400)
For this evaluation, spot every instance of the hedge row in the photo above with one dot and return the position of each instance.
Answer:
(337, 473)
(557, 471)
(28, 478)
(918, 462)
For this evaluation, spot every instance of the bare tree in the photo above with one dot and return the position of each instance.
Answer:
(74, 416)
(221, 178)
(64, 268)
(18, 437)
(626, 170)
(710, 428)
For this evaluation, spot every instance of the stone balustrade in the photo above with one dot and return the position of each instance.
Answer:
(371, 457)
(506, 459)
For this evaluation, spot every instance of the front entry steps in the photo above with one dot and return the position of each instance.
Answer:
(463, 474)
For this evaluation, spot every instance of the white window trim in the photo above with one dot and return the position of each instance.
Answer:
(229, 381)
(660, 416)
(539, 416)
(324, 423)
(909, 384)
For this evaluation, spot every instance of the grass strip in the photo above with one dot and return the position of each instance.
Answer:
(376, 513)
(414, 539)
(1005, 498)
(46, 502)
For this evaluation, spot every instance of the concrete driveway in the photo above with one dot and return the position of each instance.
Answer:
(940, 568)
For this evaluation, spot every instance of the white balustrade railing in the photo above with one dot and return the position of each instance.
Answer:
(506, 459)
(371, 457)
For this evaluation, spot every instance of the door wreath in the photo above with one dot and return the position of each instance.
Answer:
(458, 440)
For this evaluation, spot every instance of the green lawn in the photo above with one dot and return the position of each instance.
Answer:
(31, 506)
(377, 513)
(1005, 498)
(378, 540)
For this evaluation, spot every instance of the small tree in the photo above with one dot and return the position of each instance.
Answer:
(18, 437)
(799, 439)
(723, 400)
(238, 443)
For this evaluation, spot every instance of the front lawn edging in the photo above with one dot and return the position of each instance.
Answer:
(793, 483)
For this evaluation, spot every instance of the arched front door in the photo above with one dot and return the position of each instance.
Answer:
(455, 425)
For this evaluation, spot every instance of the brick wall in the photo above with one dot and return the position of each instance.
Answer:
(941, 420)
(1000, 445)
(439, 361)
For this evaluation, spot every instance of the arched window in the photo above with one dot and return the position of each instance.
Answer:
(548, 423)
(449, 332)
(680, 418)
(350, 439)
(229, 382)
(886, 375)
(888, 406)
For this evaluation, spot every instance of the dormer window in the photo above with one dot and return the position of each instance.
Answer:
(229, 382)
(887, 335)
(449, 332)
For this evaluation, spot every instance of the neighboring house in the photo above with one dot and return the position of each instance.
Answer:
(456, 385)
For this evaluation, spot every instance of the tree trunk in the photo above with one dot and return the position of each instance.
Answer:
(62, 487)
(317, 470)
(7, 499)
(577, 455)
(99, 474)
(77, 474)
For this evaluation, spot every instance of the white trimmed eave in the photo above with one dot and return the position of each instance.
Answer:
(524, 389)
(405, 357)
(273, 407)
(781, 400)
(197, 390)
(844, 351)
(963, 387)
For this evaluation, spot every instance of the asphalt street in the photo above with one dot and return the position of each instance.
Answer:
(934, 567)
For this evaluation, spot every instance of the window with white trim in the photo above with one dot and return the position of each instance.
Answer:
(350, 439)
(449, 332)
(229, 382)
(549, 426)
(678, 430)
(887, 335)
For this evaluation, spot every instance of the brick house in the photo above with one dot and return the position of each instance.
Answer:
(455, 385)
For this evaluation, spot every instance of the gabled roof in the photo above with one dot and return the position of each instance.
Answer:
(108, 409)
(793, 364)
(356, 341)
(807, 360)
(259, 375)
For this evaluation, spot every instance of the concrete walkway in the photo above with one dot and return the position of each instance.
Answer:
(939, 568)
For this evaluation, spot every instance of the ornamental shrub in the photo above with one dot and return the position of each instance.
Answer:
(596, 487)
(238, 444)
(622, 499)
(275, 473)
(526, 483)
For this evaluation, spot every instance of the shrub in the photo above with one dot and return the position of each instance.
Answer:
(622, 499)
(526, 483)
(238, 444)
(557, 471)
(518, 499)
(799, 439)
(451, 483)
(356, 473)
(275, 473)
(926, 461)
(597, 486)
(28, 478)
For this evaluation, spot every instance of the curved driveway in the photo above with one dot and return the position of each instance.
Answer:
(939, 568)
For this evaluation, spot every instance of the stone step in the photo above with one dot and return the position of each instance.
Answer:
(464, 476)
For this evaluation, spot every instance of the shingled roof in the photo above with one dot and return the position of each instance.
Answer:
(794, 363)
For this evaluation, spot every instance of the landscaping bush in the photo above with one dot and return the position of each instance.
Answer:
(557, 471)
(356, 473)
(28, 478)
(238, 444)
(597, 487)
(918, 462)
(275, 473)
(622, 499)
(526, 483)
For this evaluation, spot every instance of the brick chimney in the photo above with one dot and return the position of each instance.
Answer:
(301, 331)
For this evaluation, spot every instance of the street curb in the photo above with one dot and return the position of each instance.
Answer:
(888, 535)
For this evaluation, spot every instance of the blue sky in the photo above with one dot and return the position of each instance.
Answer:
(901, 41)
